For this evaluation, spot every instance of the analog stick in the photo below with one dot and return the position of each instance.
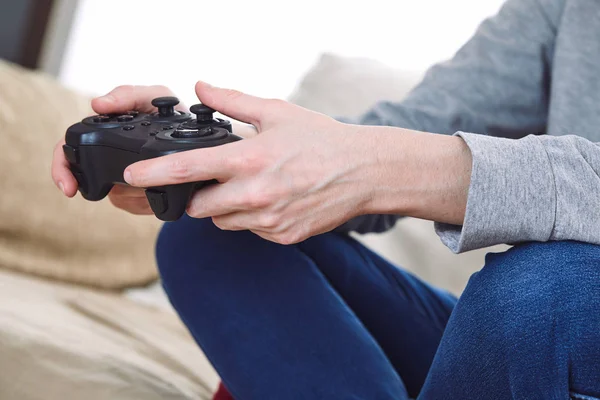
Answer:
(203, 113)
(196, 128)
(165, 105)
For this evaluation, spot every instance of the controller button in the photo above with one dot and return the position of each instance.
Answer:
(133, 113)
(71, 154)
(128, 127)
(158, 201)
(125, 118)
(153, 133)
(166, 128)
(101, 119)
(203, 113)
(165, 105)
(146, 123)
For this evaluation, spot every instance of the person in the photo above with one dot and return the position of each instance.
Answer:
(496, 145)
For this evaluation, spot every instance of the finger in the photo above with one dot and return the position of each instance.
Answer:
(220, 163)
(247, 220)
(61, 173)
(227, 222)
(128, 97)
(218, 200)
(127, 191)
(238, 105)
(265, 235)
(244, 130)
(133, 205)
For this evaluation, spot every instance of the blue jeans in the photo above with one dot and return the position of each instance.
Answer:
(330, 319)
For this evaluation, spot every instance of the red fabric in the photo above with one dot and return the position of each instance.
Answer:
(222, 394)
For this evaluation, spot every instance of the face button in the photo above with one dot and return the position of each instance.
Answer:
(153, 133)
(166, 128)
(101, 118)
(133, 113)
(128, 127)
(125, 118)
(146, 123)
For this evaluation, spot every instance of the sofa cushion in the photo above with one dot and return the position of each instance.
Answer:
(41, 231)
(59, 341)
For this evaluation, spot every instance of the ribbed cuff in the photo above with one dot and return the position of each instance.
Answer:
(512, 197)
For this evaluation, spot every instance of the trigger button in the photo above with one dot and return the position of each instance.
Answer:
(71, 154)
(158, 201)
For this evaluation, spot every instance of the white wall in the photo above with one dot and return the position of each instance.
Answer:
(260, 46)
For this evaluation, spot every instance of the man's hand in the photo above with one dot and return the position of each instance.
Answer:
(120, 100)
(301, 176)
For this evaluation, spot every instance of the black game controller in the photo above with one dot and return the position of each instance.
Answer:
(99, 148)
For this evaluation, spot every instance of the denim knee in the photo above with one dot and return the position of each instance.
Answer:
(526, 325)
(544, 272)
(536, 287)
(180, 247)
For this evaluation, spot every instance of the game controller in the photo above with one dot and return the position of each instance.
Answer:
(100, 147)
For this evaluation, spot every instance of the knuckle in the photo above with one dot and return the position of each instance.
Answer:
(278, 103)
(257, 199)
(254, 159)
(162, 89)
(236, 162)
(180, 170)
(192, 209)
(220, 223)
(232, 94)
(288, 237)
(269, 220)
(123, 89)
(192, 212)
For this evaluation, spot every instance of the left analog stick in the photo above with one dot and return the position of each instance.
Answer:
(165, 105)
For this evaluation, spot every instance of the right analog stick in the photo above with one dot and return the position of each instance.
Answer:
(203, 113)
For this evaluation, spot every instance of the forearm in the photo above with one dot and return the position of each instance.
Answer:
(496, 85)
(414, 173)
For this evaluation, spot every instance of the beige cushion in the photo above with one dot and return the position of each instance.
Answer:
(41, 231)
(341, 86)
(60, 342)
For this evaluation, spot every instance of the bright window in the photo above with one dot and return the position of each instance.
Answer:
(261, 46)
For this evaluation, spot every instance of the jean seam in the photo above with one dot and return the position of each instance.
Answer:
(577, 396)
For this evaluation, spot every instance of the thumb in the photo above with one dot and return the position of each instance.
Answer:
(234, 104)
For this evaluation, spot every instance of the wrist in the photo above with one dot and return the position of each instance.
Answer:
(415, 174)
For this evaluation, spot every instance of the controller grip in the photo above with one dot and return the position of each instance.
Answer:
(170, 202)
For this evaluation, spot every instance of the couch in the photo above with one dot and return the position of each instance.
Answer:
(81, 313)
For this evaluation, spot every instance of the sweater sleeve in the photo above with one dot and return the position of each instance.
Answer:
(539, 188)
(497, 85)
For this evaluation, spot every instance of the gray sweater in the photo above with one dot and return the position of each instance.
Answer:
(524, 94)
